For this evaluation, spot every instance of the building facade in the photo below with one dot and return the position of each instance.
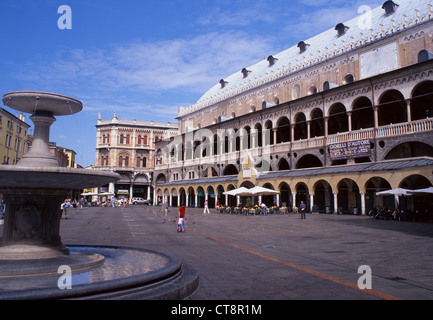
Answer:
(14, 142)
(127, 148)
(330, 122)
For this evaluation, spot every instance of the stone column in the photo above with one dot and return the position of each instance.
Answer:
(362, 203)
(409, 112)
(335, 202)
(311, 202)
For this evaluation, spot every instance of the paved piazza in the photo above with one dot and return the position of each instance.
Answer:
(274, 257)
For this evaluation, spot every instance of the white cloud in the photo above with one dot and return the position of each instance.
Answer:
(192, 64)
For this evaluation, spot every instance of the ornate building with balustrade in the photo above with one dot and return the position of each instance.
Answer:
(127, 148)
(330, 121)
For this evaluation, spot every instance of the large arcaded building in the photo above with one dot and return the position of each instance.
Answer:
(329, 121)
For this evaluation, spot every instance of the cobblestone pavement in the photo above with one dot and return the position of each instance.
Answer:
(274, 257)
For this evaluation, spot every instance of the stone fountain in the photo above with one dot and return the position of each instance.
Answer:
(31, 249)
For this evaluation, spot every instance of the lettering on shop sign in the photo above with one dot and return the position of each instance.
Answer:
(350, 150)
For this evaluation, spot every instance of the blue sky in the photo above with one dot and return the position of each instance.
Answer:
(144, 59)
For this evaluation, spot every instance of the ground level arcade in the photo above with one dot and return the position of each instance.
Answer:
(345, 189)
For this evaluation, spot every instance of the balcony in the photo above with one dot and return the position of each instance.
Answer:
(389, 131)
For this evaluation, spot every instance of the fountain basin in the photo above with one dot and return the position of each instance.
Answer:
(125, 273)
(32, 101)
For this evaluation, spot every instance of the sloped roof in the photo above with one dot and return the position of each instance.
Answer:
(320, 47)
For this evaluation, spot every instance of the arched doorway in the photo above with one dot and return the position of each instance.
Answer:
(211, 197)
(348, 196)
(182, 198)
(372, 201)
(200, 197)
(191, 198)
(302, 194)
(285, 195)
(418, 207)
(323, 197)
(221, 199)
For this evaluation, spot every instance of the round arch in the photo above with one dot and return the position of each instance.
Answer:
(230, 170)
(283, 164)
(421, 105)
(362, 114)
(410, 150)
(269, 200)
(372, 201)
(182, 197)
(285, 195)
(417, 207)
(302, 194)
(300, 131)
(283, 130)
(316, 125)
(269, 135)
(338, 120)
(211, 198)
(308, 161)
(392, 108)
(323, 197)
(348, 196)
(191, 197)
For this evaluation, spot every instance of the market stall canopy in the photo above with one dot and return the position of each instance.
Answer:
(395, 192)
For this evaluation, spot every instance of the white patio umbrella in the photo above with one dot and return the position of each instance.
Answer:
(422, 191)
(237, 192)
(395, 192)
(89, 194)
(261, 191)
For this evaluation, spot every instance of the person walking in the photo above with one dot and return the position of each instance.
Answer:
(182, 215)
(302, 207)
(264, 208)
(65, 206)
(206, 207)
(81, 203)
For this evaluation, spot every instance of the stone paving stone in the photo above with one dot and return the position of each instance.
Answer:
(273, 257)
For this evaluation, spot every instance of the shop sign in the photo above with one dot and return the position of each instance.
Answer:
(350, 150)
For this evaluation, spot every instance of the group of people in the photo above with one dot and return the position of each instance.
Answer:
(67, 203)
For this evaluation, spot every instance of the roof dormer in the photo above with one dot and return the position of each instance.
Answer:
(341, 29)
(223, 83)
(272, 60)
(303, 46)
(245, 72)
(389, 7)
